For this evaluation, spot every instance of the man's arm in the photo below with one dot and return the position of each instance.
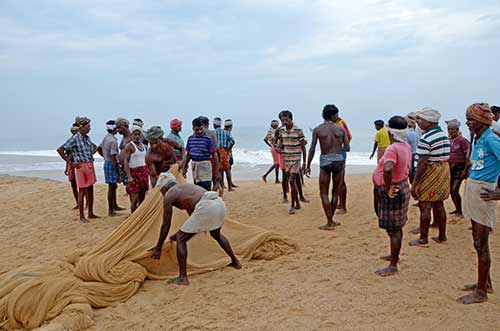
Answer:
(126, 159)
(61, 151)
(152, 168)
(312, 151)
(216, 164)
(267, 142)
(185, 162)
(388, 168)
(165, 227)
(99, 150)
(375, 145)
(346, 142)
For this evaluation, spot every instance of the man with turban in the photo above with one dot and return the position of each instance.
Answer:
(81, 148)
(206, 214)
(270, 141)
(458, 163)
(431, 185)
(160, 156)
(480, 195)
(175, 129)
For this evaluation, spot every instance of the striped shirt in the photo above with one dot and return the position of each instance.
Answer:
(224, 138)
(80, 148)
(200, 148)
(292, 141)
(434, 144)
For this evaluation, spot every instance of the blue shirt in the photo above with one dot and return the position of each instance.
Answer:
(411, 139)
(200, 147)
(486, 158)
(224, 138)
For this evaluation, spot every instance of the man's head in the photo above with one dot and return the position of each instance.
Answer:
(198, 127)
(74, 129)
(275, 124)
(111, 126)
(411, 120)
(83, 124)
(286, 118)
(122, 125)
(379, 124)
(138, 122)
(479, 117)
(496, 112)
(136, 131)
(397, 129)
(205, 122)
(330, 113)
(176, 125)
(155, 137)
(228, 125)
(427, 118)
(165, 182)
(217, 122)
(453, 127)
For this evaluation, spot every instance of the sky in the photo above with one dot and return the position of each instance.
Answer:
(244, 60)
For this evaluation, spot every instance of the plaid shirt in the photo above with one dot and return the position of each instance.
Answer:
(224, 138)
(81, 148)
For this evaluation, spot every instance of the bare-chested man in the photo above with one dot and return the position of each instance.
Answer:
(160, 155)
(206, 213)
(333, 141)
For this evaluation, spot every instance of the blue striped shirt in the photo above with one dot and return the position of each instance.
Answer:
(200, 147)
(224, 138)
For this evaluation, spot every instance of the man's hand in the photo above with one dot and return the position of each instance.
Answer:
(490, 195)
(308, 171)
(371, 157)
(414, 191)
(155, 252)
(393, 191)
(76, 165)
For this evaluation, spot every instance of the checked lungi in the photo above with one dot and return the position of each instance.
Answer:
(392, 213)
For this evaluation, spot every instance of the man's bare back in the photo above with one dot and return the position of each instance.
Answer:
(185, 196)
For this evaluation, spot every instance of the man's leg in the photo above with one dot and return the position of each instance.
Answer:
(264, 178)
(81, 195)
(134, 201)
(440, 218)
(425, 220)
(480, 234)
(277, 173)
(300, 180)
(343, 198)
(142, 196)
(396, 239)
(284, 186)
(295, 196)
(181, 240)
(229, 180)
(324, 188)
(112, 199)
(455, 195)
(74, 188)
(224, 243)
(90, 197)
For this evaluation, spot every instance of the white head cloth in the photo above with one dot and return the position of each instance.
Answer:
(429, 114)
(165, 179)
(217, 122)
(135, 128)
(228, 123)
(398, 135)
(110, 126)
(454, 123)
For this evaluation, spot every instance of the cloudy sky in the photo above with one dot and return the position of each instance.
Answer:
(244, 59)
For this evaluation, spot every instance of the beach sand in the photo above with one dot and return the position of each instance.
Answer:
(328, 284)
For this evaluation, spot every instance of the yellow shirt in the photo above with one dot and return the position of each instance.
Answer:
(382, 138)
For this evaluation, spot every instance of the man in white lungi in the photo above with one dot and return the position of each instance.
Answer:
(207, 212)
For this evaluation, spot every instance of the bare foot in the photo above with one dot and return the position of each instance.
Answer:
(284, 200)
(304, 200)
(387, 258)
(179, 281)
(75, 207)
(113, 214)
(235, 264)
(119, 208)
(231, 190)
(460, 215)
(454, 212)
(327, 227)
(291, 211)
(439, 240)
(473, 287)
(474, 297)
(341, 211)
(264, 179)
(277, 182)
(415, 231)
(419, 242)
(387, 271)
(236, 186)
(93, 216)
(433, 225)
(297, 207)
(84, 220)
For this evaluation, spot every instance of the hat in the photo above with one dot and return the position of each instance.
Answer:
(175, 123)
(429, 114)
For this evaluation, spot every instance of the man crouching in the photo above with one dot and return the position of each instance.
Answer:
(206, 213)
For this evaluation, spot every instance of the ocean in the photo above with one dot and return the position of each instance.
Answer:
(37, 156)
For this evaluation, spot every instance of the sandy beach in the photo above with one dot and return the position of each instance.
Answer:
(328, 284)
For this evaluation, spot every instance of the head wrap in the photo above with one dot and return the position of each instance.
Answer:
(154, 133)
(217, 121)
(454, 123)
(228, 122)
(135, 128)
(175, 123)
(138, 122)
(120, 121)
(82, 121)
(398, 135)
(165, 179)
(110, 125)
(480, 112)
(429, 114)
(379, 123)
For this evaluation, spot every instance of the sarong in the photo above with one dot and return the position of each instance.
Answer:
(276, 155)
(475, 208)
(435, 183)
(141, 180)
(208, 214)
(332, 163)
(202, 171)
(85, 175)
(224, 159)
(110, 176)
(392, 213)
(282, 162)
(293, 167)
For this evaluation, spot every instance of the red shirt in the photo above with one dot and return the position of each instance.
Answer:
(459, 149)
(400, 154)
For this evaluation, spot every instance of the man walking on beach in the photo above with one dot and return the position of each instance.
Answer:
(293, 144)
(392, 190)
(270, 141)
(175, 129)
(224, 144)
(431, 185)
(333, 140)
(228, 127)
(481, 195)
(81, 149)
(381, 140)
(108, 149)
(458, 163)
(200, 149)
(206, 214)
(160, 155)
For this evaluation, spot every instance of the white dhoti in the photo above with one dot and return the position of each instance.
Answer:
(208, 214)
(475, 208)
